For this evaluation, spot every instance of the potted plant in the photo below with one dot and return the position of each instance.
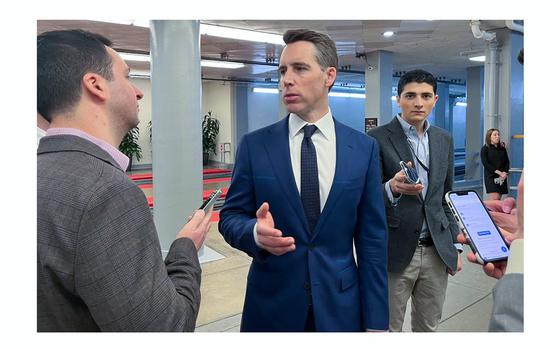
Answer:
(210, 130)
(129, 146)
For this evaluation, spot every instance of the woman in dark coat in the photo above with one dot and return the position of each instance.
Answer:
(496, 165)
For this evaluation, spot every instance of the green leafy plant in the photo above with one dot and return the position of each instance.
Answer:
(210, 130)
(129, 145)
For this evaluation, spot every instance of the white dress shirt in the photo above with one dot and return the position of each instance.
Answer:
(324, 140)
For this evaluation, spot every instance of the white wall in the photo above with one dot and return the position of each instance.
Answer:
(216, 96)
(145, 116)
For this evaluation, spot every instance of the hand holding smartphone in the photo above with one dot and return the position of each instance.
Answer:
(477, 225)
(410, 174)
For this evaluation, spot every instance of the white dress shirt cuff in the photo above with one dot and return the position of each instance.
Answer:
(459, 247)
(255, 236)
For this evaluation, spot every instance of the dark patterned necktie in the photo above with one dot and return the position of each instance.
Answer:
(310, 178)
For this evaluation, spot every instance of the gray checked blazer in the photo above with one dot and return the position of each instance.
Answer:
(99, 262)
(405, 220)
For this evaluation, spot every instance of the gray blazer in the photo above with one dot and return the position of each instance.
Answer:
(99, 262)
(507, 311)
(405, 220)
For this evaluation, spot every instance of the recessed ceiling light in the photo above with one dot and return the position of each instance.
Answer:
(388, 34)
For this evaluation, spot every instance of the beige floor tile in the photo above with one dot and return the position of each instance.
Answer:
(216, 241)
(224, 264)
(223, 294)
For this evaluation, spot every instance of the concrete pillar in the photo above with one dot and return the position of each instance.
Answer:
(241, 114)
(441, 111)
(475, 115)
(379, 77)
(176, 124)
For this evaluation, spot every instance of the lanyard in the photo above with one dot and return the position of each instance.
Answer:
(414, 153)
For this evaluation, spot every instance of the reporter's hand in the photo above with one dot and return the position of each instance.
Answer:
(503, 213)
(197, 227)
(268, 237)
(498, 269)
(399, 185)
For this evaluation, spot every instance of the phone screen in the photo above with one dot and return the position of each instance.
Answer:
(479, 225)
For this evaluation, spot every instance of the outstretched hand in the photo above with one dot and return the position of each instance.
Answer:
(270, 238)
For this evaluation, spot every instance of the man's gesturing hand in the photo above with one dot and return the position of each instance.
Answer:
(270, 238)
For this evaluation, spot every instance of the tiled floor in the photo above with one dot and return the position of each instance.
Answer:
(466, 309)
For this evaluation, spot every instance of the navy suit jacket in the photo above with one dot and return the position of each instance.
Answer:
(345, 296)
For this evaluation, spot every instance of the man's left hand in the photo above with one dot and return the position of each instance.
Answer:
(459, 266)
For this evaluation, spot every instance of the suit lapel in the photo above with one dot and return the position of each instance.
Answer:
(278, 148)
(399, 141)
(344, 149)
(437, 158)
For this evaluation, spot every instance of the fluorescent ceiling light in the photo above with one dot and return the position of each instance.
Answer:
(240, 34)
(140, 74)
(461, 104)
(221, 64)
(388, 34)
(478, 58)
(214, 30)
(134, 57)
(347, 95)
(135, 22)
(265, 90)
(204, 63)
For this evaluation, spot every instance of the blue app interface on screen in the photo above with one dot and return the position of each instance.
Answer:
(480, 227)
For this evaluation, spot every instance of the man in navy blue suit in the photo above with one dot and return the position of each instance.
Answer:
(304, 190)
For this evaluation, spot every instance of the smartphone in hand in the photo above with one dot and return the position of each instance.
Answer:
(481, 232)
(410, 173)
(211, 200)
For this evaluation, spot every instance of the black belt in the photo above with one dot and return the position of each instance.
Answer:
(425, 242)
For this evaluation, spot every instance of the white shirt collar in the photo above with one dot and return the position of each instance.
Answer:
(325, 125)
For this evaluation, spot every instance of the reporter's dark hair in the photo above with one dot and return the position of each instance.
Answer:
(325, 49)
(418, 76)
(63, 58)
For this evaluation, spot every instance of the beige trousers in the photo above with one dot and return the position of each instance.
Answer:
(425, 279)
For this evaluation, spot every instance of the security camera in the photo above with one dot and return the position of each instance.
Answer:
(370, 67)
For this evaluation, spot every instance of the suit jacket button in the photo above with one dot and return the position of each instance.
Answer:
(311, 247)
(306, 286)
